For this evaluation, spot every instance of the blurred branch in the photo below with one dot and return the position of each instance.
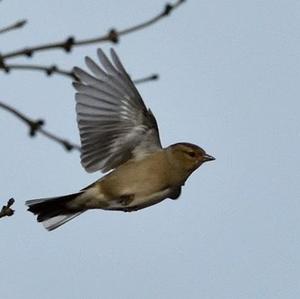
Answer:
(146, 79)
(6, 210)
(36, 126)
(17, 25)
(48, 70)
(112, 36)
(167, 10)
(53, 69)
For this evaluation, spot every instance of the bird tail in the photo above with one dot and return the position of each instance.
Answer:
(53, 212)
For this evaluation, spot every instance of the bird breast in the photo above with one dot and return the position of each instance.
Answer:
(141, 178)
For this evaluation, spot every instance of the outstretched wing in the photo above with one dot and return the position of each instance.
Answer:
(113, 121)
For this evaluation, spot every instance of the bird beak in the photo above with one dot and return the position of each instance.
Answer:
(207, 157)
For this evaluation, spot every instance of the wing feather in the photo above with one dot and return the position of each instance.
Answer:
(113, 121)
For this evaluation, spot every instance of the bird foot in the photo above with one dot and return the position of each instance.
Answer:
(125, 200)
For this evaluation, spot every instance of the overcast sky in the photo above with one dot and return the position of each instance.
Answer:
(229, 82)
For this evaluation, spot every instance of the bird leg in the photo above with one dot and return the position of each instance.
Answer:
(127, 199)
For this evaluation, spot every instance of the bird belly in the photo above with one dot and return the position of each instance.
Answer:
(134, 185)
(138, 201)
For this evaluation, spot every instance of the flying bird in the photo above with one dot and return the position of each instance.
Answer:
(119, 135)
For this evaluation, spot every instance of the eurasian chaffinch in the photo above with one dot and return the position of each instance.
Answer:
(120, 134)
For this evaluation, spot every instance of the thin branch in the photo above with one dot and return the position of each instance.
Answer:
(48, 70)
(165, 12)
(112, 36)
(6, 210)
(16, 25)
(146, 79)
(53, 69)
(65, 143)
(36, 126)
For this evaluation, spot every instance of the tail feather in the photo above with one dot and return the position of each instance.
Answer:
(57, 221)
(53, 212)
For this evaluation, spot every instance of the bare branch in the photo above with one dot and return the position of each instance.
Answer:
(16, 25)
(36, 126)
(6, 210)
(48, 70)
(53, 69)
(112, 36)
(146, 79)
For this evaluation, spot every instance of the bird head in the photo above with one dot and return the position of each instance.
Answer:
(189, 156)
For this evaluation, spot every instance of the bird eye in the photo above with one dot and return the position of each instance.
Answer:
(192, 154)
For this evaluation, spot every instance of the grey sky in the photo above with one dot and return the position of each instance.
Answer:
(230, 83)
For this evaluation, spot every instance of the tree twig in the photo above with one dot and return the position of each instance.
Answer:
(146, 79)
(48, 70)
(36, 126)
(16, 25)
(112, 36)
(53, 69)
(7, 210)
